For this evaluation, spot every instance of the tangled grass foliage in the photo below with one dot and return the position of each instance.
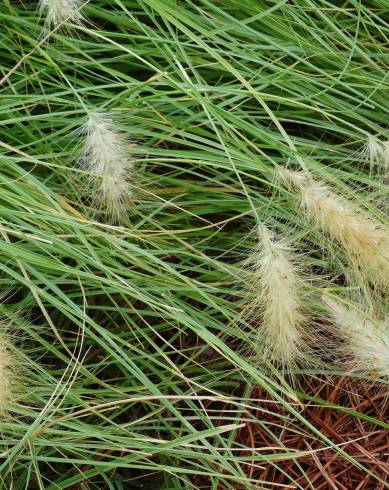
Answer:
(134, 352)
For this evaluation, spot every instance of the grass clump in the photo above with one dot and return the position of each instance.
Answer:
(137, 358)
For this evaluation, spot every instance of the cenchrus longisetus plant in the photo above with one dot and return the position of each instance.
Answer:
(137, 356)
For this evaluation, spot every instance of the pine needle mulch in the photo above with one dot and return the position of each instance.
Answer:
(323, 468)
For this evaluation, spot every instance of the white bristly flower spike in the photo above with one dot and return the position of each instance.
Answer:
(276, 300)
(106, 156)
(365, 240)
(373, 150)
(383, 169)
(366, 342)
(59, 11)
(6, 377)
(378, 154)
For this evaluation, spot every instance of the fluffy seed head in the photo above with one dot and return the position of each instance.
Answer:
(276, 293)
(377, 153)
(383, 169)
(385, 154)
(106, 157)
(59, 11)
(367, 342)
(6, 377)
(373, 150)
(365, 241)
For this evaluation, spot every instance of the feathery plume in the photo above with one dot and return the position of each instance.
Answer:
(6, 376)
(365, 240)
(383, 168)
(367, 342)
(377, 153)
(59, 11)
(106, 157)
(385, 154)
(276, 292)
(373, 150)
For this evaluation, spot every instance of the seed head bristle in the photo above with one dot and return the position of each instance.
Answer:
(367, 342)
